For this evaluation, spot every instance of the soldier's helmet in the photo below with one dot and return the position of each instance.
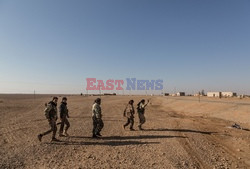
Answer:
(64, 98)
(142, 101)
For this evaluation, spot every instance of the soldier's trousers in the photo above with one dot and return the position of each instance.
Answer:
(53, 128)
(97, 125)
(64, 121)
(130, 121)
(142, 119)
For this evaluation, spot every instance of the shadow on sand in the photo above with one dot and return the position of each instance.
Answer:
(80, 117)
(139, 137)
(98, 142)
(129, 137)
(182, 130)
(114, 140)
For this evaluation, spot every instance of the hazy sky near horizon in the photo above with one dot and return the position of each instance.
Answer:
(53, 46)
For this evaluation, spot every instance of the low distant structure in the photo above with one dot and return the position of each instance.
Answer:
(166, 94)
(96, 94)
(221, 94)
(110, 94)
(241, 96)
(213, 94)
(228, 94)
(180, 94)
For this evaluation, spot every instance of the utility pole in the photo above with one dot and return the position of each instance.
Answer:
(100, 90)
(34, 94)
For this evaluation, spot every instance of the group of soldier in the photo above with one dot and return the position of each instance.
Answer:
(130, 111)
(51, 116)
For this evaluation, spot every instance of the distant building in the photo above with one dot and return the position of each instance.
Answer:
(180, 94)
(241, 96)
(202, 93)
(213, 94)
(228, 94)
(109, 94)
(166, 94)
(221, 94)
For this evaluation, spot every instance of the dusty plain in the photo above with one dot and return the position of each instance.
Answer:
(180, 132)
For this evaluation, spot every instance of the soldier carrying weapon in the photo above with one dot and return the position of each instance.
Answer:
(141, 111)
(51, 115)
(129, 113)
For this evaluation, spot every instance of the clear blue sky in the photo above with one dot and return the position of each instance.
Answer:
(53, 46)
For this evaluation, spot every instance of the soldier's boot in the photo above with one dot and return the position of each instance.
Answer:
(65, 133)
(54, 139)
(61, 134)
(140, 128)
(132, 129)
(94, 136)
(98, 135)
(40, 137)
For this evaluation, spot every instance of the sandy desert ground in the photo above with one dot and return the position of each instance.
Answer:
(180, 132)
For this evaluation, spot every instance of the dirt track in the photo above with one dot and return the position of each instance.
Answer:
(172, 139)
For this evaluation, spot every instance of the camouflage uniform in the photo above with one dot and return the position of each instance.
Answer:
(97, 119)
(129, 113)
(51, 115)
(64, 115)
(141, 111)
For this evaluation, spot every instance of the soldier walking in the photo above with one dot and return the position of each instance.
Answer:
(129, 113)
(141, 111)
(64, 115)
(97, 118)
(51, 115)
